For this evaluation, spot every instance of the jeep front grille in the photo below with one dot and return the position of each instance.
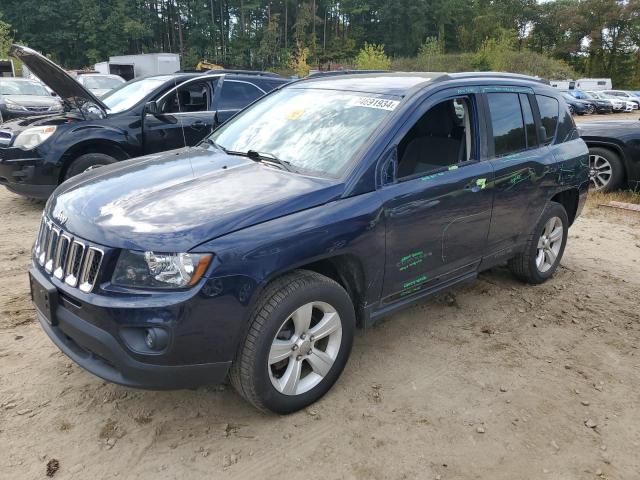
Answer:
(68, 259)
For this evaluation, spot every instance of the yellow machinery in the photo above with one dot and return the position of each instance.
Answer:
(205, 65)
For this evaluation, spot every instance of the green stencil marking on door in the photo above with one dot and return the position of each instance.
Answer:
(410, 261)
(414, 282)
(481, 182)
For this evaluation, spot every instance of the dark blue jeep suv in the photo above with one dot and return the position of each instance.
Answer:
(324, 205)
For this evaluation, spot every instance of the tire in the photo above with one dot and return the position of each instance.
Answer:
(86, 162)
(606, 169)
(526, 266)
(264, 363)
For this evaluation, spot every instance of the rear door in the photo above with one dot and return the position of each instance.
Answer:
(185, 116)
(233, 96)
(521, 162)
(437, 217)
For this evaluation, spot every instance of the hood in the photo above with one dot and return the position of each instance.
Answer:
(32, 100)
(70, 91)
(616, 129)
(176, 200)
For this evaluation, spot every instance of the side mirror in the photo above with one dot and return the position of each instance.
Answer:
(151, 108)
(53, 94)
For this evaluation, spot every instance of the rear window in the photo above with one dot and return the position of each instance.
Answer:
(549, 112)
(508, 127)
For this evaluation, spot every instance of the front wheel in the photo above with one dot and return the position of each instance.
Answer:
(298, 343)
(545, 246)
(88, 162)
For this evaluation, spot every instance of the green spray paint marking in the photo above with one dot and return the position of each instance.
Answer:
(453, 167)
(481, 182)
(410, 261)
(415, 282)
(429, 177)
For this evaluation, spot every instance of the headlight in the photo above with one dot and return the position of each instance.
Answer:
(34, 136)
(159, 270)
(55, 108)
(14, 106)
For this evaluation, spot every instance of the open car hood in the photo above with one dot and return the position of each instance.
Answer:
(70, 91)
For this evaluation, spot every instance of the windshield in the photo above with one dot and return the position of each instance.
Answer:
(13, 87)
(311, 129)
(130, 93)
(101, 82)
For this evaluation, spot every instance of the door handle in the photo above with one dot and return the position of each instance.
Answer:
(198, 125)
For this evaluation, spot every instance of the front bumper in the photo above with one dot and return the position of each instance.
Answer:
(103, 352)
(25, 173)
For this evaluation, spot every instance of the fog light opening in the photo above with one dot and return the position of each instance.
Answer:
(156, 339)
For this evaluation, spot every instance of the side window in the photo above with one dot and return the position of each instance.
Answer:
(193, 97)
(441, 138)
(566, 127)
(549, 112)
(236, 95)
(529, 122)
(508, 127)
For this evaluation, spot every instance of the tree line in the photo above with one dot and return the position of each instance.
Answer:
(589, 37)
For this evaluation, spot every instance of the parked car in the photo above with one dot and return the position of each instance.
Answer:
(625, 96)
(326, 204)
(20, 98)
(99, 83)
(614, 153)
(601, 106)
(617, 104)
(143, 116)
(578, 107)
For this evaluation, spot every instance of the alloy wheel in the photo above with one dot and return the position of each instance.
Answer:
(600, 171)
(305, 348)
(549, 244)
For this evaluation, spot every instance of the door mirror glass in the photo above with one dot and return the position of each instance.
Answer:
(151, 108)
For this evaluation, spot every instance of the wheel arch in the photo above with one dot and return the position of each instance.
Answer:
(106, 147)
(569, 199)
(346, 269)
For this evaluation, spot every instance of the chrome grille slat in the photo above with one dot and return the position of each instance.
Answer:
(90, 269)
(74, 263)
(67, 259)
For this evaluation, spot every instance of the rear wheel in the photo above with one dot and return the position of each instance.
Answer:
(298, 343)
(88, 162)
(545, 246)
(606, 170)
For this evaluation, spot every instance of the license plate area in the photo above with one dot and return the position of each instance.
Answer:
(45, 298)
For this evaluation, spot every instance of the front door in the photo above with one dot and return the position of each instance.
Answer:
(185, 117)
(437, 213)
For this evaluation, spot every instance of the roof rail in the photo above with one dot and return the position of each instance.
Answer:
(230, 72)
(333, 73)
(243, 72)
(515, 76)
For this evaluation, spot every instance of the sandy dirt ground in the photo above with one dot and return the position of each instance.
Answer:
(492, 380)
(612, 116)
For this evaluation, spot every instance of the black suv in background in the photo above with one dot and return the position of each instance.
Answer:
(144, 116)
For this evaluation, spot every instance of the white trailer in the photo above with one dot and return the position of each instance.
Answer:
(132, 66)
(563, 84)
(594, 84)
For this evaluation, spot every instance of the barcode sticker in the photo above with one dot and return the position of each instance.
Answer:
(372, 102)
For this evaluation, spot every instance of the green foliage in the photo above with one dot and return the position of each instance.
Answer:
(5, 38)
(598, 38)
(298, 60)
(372, 57)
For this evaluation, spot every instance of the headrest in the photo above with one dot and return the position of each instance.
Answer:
(439, 121)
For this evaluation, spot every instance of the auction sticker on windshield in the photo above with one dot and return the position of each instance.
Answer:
(372, 102)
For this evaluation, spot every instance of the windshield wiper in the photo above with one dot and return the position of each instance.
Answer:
(211, 141)
(269, 158)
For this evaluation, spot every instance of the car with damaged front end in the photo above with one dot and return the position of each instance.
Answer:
(323, 206)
